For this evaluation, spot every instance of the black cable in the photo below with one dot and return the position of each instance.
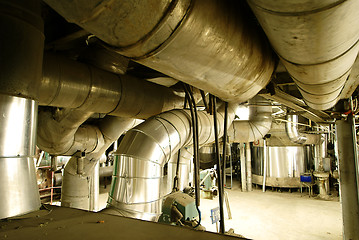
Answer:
(220, 182)
(204, 101)
(224, 142)
(195, 142)
(175, 182)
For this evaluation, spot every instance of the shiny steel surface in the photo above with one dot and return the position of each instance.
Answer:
(207, 44)
(316, 41)
(282, 162)
(216, 49)
(56, 132)
(76, 191)
(291, 127)
(183, 170)
(71, 84)
(258, 125)
(139, 184)
(18, 187)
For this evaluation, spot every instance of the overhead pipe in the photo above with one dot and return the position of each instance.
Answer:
(21, 48)
(139, 160)
(291, 127)
(76, 185)
(71, 84)
(208, 44)
(258, 124)
(317, 43)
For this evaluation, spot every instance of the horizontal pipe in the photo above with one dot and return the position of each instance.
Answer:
(71, 84)
(139, 160)
(317, 43)
(258, 124)
(208, 44)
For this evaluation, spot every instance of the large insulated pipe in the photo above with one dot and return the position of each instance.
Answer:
(59, 133)
(21, 48)
(139, 160)
(316, 41)
(349, 177)
(208, 44)
(71, 84)
(258, 124)
(291, 127)
(76, 184)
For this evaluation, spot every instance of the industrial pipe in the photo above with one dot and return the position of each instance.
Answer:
(58, 132)
(71, 84)
(76, 187)
(139, 160)
(317, 43)
(258, 124)
(208, 44)
(249, 167)
(291, 127)
(21, 48)
(348, 176)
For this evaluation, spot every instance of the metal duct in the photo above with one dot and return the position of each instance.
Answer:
(59, 132)
(258, 125)
(206, 44)
(138, 175)
(291, 127)
(21, 48)
(70, 84)
(316, 41)
(18, 187)
(76, 185)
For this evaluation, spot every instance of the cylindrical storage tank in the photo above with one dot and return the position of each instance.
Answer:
(284, 165)
(19, 193)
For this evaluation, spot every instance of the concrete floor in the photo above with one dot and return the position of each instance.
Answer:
(274, 215)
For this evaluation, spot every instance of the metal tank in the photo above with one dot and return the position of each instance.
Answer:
(284, 165)
(285, 161)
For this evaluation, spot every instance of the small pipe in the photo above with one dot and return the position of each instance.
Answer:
(175, 182)
(249, 167)
(243, 167)
(220, 179)
(265, 165)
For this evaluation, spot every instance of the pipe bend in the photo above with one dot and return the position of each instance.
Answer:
(258, 124)
(143, 153)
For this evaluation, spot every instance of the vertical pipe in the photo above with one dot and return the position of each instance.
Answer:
(351, 120)
(219, 168)
(224, 143)
(249, 167)
(243, 167)
(95, 188)
(265, 165)
(21, 50)
(348, 177)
